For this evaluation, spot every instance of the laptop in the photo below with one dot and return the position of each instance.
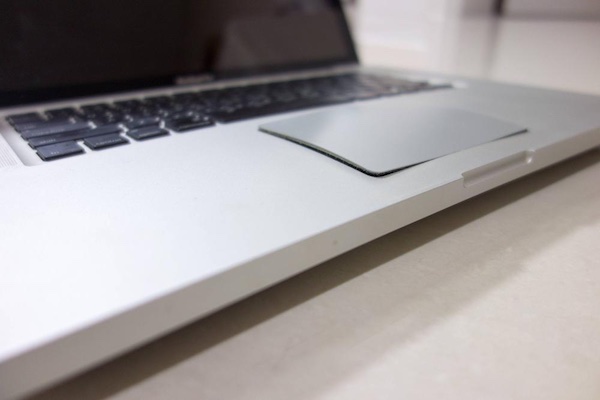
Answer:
(161, 160)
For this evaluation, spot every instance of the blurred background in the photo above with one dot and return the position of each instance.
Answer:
(550, 43)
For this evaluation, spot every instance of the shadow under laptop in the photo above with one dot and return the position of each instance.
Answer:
(305, 335)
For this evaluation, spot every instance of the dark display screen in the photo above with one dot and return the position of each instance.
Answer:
(60, 48)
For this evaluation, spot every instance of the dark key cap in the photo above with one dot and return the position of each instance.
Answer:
(107, 119)
(184, 98)
(102, 142)
(100, 111)
(158, 101)
(69, 136)
(142, 112)
(28, 117)
(147, 133)
(59, 150)
(184, 114)
(100, 107)
(141, 122)
(54, 129)
(61, 113)
(31, 125)
(189, 122)
(127, 105)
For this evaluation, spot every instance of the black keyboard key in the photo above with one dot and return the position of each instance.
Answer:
(22, 118)
(102, 142)
(96, 108)
(142, 112)
(108, 118)
(28, 126)
(128, 105)
(70, 136)
(147, 133)
(62, 113)
(60, 150)
(182, 115)
(189, 122)
(158, 101)
(98, 111)
(184, 98)
(141, 122)
(53, 129)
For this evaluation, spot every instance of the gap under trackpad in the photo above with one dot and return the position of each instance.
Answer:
(380, 140)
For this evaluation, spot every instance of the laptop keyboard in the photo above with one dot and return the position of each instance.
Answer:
(58, 133)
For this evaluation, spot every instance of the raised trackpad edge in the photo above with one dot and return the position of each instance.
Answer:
(382, 140)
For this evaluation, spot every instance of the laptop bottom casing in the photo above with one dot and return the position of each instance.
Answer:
(104, 252)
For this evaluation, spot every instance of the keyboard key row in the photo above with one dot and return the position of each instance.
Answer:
(101, 125)
(71, 148)
(76, 135)
(52, 148)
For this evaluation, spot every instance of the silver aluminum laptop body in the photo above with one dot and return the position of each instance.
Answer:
(106, 251)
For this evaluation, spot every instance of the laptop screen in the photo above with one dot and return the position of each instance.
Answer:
(63, 48)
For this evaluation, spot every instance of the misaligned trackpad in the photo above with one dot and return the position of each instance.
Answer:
(381, 140)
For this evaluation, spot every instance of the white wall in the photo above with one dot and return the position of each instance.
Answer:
(423, 34)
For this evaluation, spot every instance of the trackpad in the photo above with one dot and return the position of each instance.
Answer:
(379, 140)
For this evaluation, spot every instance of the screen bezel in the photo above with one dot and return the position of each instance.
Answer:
(22, 97)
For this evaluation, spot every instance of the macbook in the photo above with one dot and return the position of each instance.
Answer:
(160, 160)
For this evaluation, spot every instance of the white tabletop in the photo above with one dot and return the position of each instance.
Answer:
(495, 298)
